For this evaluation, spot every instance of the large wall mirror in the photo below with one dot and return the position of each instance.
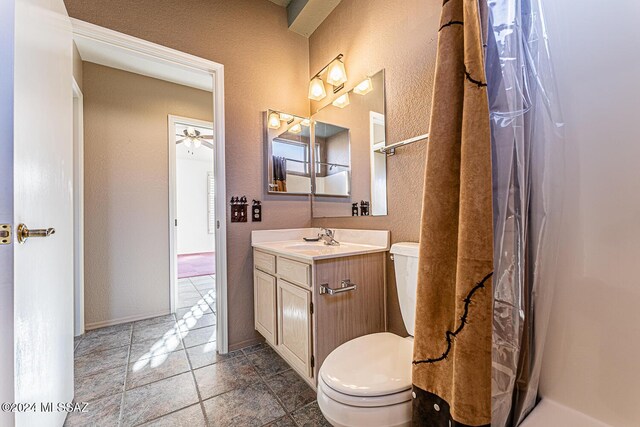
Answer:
(350, 173)
(288, 153)
(334, 155)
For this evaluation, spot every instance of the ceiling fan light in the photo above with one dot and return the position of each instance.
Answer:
(341, 101)
(336, 73)
(187, 142)
(191, 131)
(364, 87)
(274, 121)
(295, 128)
(316, 89)
(197, 143)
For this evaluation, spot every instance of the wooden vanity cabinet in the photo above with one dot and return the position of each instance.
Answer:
(264, 295)
(304, 325)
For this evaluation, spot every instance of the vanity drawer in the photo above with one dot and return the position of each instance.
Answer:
(265, 262)
(294, 271)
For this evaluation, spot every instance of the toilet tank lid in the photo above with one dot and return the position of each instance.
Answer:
(409, 249)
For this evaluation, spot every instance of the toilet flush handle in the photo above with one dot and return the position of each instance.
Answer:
(345, 286)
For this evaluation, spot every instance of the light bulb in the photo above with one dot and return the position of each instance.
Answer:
(364, 87)
(336, 73)
(197, 143)
(341, 101)
(285, 117)
(274, 121)
(305, 122)
(316, 89)
(295, 128)
(187, 142)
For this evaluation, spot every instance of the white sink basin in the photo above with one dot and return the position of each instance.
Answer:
(306, 246)
(290, 243)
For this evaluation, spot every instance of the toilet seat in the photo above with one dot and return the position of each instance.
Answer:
(373, 365)
(362, 401)
(367, 382)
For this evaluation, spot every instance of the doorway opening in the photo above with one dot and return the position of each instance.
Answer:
(107, 48)
(192, 219)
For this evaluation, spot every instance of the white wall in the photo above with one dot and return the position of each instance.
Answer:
(593, 347)
(193, 232)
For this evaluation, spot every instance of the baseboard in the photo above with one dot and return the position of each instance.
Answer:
(127, 319)
(246, 343)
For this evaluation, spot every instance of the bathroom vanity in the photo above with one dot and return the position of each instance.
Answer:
(309, 297)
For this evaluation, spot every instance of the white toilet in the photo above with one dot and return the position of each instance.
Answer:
(367, 381)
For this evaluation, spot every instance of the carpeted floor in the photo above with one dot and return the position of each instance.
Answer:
(200, 264)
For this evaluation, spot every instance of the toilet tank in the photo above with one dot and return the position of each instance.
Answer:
(405, 260)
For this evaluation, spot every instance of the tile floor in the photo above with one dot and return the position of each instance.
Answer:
(165, 372)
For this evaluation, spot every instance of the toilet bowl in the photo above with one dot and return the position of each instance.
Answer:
(367, 381)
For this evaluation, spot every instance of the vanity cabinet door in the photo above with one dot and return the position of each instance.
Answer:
(264, 295)
(294, 326)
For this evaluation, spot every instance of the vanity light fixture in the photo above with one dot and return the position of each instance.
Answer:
(336, 75)
(316, 89)
(286, 117)
(364, 87)
(341, 101)
(274, 121)
(295, 128)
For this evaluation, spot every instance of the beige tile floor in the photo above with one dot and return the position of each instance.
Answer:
(165, 371)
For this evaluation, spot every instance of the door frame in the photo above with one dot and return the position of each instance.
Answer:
(126, 45)
(78, 209)
(172, 120)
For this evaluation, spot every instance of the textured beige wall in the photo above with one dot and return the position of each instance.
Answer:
(126, 189)
(399, 36)
(266, 66)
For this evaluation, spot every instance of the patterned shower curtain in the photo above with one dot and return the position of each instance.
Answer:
(452, 346)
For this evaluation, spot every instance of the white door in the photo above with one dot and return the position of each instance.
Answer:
(43, 198)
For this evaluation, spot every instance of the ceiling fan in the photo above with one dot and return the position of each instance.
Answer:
(192, 137)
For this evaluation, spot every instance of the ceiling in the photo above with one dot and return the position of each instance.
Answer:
(283, 3)
(304, 16)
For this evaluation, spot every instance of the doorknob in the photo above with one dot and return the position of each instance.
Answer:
(24, 233)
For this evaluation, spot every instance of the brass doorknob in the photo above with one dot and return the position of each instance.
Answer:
(24, 233)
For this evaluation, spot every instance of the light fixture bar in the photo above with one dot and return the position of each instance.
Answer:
(337, 88)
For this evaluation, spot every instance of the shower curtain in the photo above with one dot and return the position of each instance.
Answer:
(452, 345)
(526, 139)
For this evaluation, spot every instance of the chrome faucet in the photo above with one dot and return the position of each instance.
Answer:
(326, 235)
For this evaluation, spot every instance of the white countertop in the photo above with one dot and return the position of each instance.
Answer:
(290, 243)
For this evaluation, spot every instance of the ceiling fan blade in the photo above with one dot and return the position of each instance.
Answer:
(180, 140)
(206, 137)
(207, 144)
